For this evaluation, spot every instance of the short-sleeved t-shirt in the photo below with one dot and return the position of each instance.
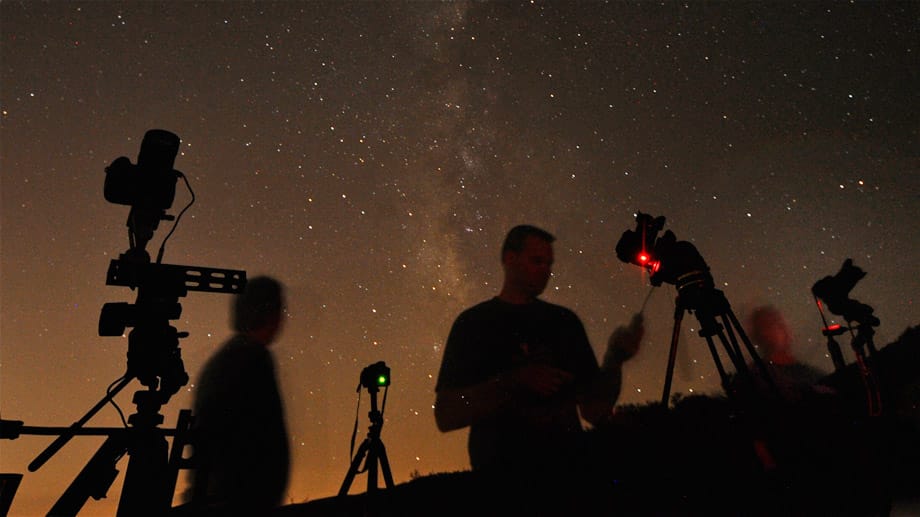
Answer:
(495, 337)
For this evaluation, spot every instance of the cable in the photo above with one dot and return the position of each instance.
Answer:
(649, 295)
(354, 432)
(178, 217)
(383, 407)
(108, 391)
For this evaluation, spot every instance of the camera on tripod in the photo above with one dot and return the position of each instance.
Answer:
(371, 451)
(375, 376)
(666, 259)
(834, 291)
(679, 263)
(154, 357)
(149, 188)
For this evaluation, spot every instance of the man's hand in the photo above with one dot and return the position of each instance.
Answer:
(460, 407)
(624, 342)
(541, 379)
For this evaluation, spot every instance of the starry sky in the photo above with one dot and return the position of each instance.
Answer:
(372, 155)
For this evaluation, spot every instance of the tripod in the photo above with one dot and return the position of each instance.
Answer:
(696, 294)
(154, 359)
(372, 447)
(150, 480)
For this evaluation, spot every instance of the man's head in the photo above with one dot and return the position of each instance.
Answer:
(527, 258)
(259, 308)
(768, 329)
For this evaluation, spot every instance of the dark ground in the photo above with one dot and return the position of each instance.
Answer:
(820, 456)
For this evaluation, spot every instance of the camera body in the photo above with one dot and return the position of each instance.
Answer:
(666, 259)
(375, 376)
(151, 183)
(834, 291)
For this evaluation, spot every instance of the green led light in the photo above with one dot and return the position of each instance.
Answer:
(382, 380)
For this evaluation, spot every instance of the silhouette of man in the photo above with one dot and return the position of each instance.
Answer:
(519, 370)
(241, 441)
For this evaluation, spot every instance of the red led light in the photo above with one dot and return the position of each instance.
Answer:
(643, 258)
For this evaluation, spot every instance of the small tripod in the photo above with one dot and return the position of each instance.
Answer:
(697, 294)
(372, 447)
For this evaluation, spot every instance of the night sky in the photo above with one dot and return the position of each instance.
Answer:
(372, 156)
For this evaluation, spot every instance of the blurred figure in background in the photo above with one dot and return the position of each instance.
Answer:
(769, 332)
(240, 441)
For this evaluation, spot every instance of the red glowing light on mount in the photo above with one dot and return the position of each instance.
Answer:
(833, 327)
(645, 260)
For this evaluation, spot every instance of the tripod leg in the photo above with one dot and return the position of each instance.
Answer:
(371, 466)
(715, 358)
(378, 453)
(95, 478)
(755, 357)
(385, 466)
(353, 469)
(145, 488)
(672, 355)
(729, 325)
(64, 438)
(180, 440)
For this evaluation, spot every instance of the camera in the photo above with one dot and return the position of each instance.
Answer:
(151, 183)
(834, 291)
(666, 259)
(375, 376)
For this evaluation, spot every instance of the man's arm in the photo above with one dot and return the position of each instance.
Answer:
(598, 402)
(459, 407)
(455, 408)
(457, 402)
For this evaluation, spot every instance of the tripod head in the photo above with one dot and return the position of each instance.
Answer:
(153, 344)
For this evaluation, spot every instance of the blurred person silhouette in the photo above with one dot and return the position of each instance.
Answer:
(769, 332)
(521, 373)
(240, 438)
